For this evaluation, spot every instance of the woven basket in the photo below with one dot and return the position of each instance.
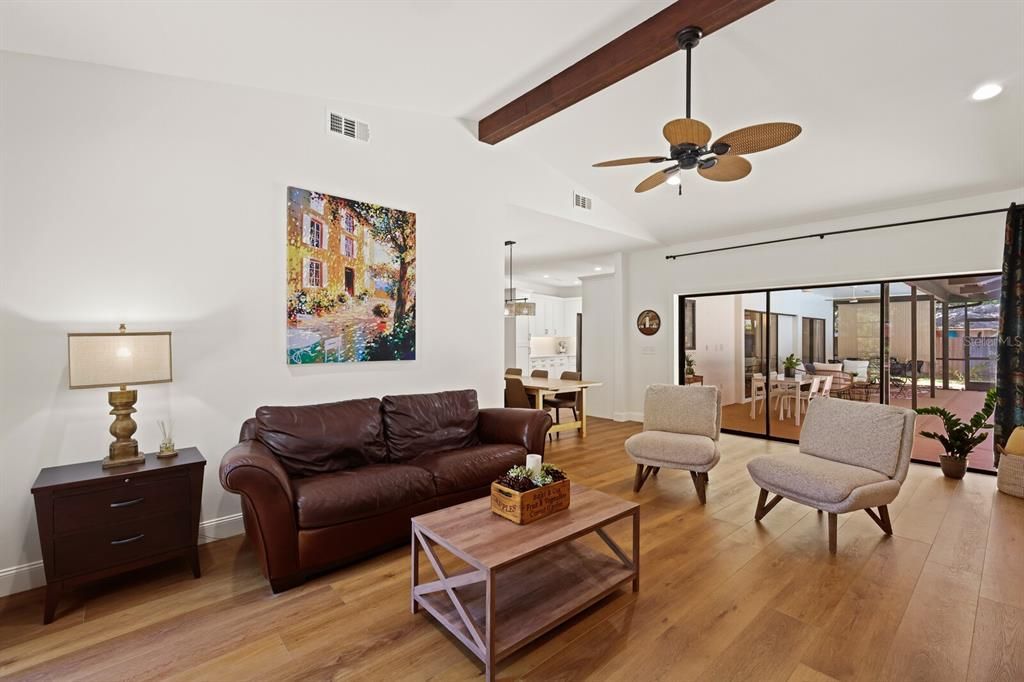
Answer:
(1010, 478)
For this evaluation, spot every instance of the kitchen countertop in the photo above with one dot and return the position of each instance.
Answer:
(554, 355)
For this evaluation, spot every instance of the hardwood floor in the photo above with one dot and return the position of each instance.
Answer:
(721, 598)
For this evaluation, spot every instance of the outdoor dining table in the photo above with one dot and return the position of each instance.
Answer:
(790, 386)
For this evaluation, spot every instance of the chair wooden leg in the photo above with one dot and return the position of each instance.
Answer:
(642, 473)
(655, 472)
(881, 519)
(833, 524)
(700, 480)
(762, 508)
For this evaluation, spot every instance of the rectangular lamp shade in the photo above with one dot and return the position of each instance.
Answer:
(519, 308)
(118, 359)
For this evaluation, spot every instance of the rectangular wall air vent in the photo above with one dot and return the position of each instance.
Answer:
(348, 127)
(580, 201)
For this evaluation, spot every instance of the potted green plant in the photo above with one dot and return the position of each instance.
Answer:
(789, 365)
(961, 437)
(691, 365)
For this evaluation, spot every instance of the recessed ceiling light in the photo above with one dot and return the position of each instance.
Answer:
(674, 179)
(546, 276)
(986, 91)
(598, 269)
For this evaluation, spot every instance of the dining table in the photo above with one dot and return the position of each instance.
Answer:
(792, 387)
(539, 388)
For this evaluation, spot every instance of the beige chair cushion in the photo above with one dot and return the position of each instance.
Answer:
(695, 410)
(862, 434)
(828, 366)
(811, 478)
(673, 450)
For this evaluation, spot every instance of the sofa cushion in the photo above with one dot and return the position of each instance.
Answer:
(862, 434)
(417, 425)
(319, 439)
(679, 449)
(342, 496)
(811, 478)
(474, 467)
(828, 367)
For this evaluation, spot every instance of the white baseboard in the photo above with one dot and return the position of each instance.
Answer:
(223, 527)
(628, 416)
(30, 576)
(20, 578)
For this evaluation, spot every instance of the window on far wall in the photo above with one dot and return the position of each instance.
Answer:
(314, 273)
(350, 247)
(690, 324)
(349, 222)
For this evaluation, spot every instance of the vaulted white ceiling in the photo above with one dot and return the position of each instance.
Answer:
(882, 90)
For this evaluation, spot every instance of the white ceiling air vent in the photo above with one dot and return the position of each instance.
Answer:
(580, 201)
(349, 127)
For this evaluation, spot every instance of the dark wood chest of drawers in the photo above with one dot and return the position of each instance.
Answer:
(95, 522)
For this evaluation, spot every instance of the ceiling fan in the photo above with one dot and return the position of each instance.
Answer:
(688, 139)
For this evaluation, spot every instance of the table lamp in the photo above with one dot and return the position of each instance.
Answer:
(120, 359)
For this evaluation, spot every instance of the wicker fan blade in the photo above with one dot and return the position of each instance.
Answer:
(727, 169)
(758, 138)
(686, 131)
(630, 161)
(654, 179)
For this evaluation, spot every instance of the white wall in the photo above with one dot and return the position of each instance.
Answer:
(947, 247)
(719, 327)
(603, 344)
(160, 202)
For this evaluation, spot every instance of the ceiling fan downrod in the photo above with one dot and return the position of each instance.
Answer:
(687, 39)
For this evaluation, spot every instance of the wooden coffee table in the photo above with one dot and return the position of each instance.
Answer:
(522, 580)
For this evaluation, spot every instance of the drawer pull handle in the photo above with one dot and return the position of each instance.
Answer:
(127, 540)
(126, 503)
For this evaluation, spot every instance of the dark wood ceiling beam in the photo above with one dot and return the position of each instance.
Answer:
(637, 48)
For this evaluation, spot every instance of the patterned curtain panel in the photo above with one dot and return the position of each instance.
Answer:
(1010, 365)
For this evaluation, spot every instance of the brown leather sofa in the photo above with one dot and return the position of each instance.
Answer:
(324, 485)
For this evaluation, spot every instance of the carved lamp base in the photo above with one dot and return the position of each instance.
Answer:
(124, 450)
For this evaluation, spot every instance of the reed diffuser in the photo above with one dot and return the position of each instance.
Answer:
(167, 443)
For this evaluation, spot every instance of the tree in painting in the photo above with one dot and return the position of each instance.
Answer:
(351, 280)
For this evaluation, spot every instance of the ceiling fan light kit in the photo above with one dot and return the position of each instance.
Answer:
(688, 141)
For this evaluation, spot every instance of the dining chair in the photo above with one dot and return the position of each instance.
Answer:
(826, 386)
(515, 393)
(810, 394)
(569, 399)
(539, 373)
(514, 370)
(516, 396)
(758, 392)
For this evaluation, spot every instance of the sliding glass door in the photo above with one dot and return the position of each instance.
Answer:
(910, 343)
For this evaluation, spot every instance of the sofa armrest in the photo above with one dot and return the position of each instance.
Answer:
(252, 471)
(520, 426)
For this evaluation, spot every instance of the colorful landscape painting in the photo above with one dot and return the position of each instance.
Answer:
(351, 280)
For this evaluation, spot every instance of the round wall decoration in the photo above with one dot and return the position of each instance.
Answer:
(648, 323)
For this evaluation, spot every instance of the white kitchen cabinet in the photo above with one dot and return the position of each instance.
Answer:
(549, 319)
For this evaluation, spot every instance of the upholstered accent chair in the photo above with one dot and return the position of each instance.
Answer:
(681, 429)
(852, 455)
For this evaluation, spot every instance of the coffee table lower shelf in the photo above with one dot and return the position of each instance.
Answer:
(532, 596)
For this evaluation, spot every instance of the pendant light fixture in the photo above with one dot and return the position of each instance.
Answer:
(515, 307)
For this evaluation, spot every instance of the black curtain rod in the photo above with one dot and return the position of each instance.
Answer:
(822, 235)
